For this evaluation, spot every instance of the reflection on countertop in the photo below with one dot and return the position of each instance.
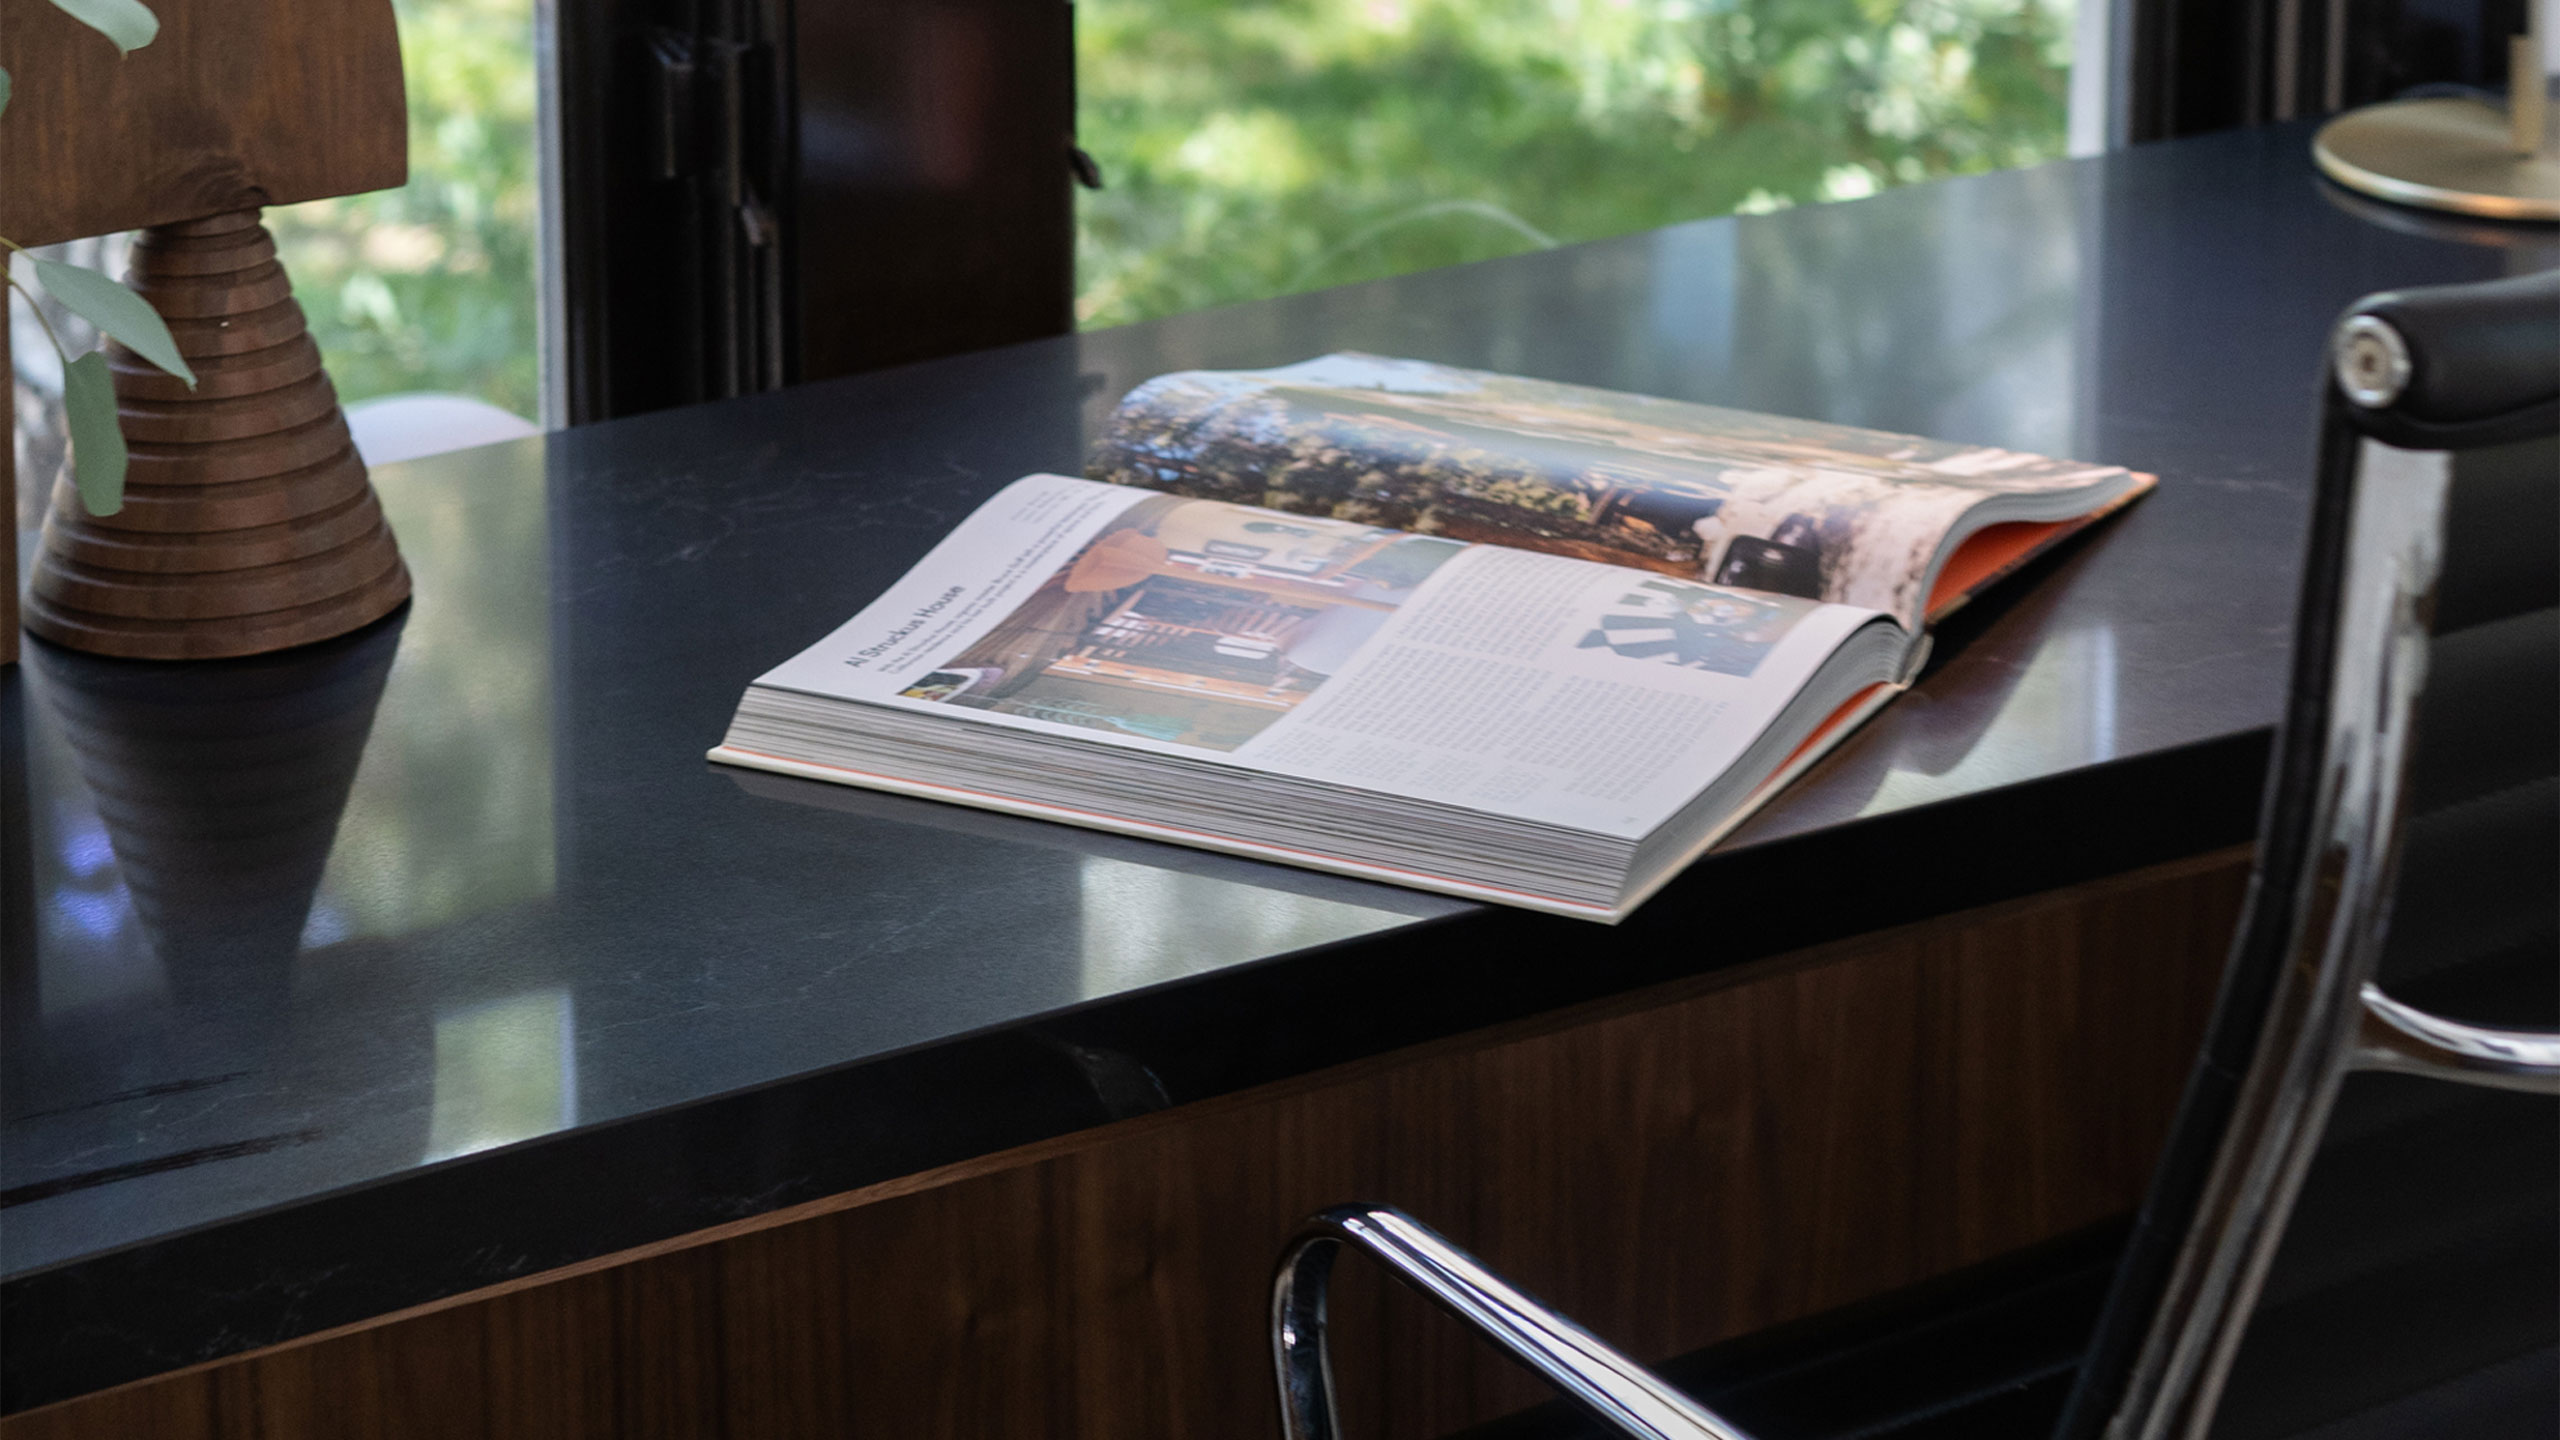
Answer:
(216, 791)
(2060, 713)
(1142, 925)
(505, 1070)
(226, 856)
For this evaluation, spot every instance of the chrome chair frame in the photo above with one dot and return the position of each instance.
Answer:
(2412, 376)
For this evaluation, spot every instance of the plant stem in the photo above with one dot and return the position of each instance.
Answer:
(36, 308)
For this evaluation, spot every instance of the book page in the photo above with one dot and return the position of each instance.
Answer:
(1516, 683)
(1760, 502)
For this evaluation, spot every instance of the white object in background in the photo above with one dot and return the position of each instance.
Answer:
(2094, 129)
(404, 427)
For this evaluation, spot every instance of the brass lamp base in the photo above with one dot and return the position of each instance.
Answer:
(2453, 155)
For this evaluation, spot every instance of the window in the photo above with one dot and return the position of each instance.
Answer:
(1259, 147)
(433, 286)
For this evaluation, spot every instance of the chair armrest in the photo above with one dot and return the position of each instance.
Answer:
(2410, 1041)
(2450, 367)
(1616, 1390)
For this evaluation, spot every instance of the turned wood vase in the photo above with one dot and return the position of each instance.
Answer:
(249, 523)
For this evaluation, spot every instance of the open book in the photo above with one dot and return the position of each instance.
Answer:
(1500, 638)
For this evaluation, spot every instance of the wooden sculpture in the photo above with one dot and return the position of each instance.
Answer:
(249, 523)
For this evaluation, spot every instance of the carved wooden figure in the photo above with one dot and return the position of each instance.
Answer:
(249, 523)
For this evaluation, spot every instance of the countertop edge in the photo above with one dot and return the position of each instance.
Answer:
(355, 1255)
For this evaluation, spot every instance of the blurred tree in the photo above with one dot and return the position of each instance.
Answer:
(1259, 147)
(432, 286)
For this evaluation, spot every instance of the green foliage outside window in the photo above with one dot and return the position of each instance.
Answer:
(1259, 147)
(432, 286)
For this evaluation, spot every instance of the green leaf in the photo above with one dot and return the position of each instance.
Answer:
(116, 311)
(4, 92)
(97, 446)
(129, 23)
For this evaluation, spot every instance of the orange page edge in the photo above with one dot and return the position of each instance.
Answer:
(1993, 552)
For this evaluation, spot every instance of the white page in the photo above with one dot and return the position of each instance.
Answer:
(1519, 684)
(1488, 690)
(961, 589)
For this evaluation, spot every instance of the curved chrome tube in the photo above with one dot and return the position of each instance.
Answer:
(2377, 652)
(2342, 782)
(1614, 1389)
(2410, 1041)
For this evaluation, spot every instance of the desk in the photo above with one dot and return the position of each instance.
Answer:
(601, 1070)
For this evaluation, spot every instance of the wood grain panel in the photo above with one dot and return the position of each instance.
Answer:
(1674, 1168)
(237, 104)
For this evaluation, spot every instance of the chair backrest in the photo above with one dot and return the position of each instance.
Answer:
(2418, 378)
(2437, 444)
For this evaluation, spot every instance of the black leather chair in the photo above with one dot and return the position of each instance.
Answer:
(2409, 832)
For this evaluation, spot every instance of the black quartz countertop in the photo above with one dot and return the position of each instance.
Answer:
(347, 979)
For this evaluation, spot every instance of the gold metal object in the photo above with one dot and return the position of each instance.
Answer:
(2528, 104)
(2456, 155)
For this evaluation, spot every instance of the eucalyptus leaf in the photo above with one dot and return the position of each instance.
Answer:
(97, 446)
(129, 23)
(116, 311)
